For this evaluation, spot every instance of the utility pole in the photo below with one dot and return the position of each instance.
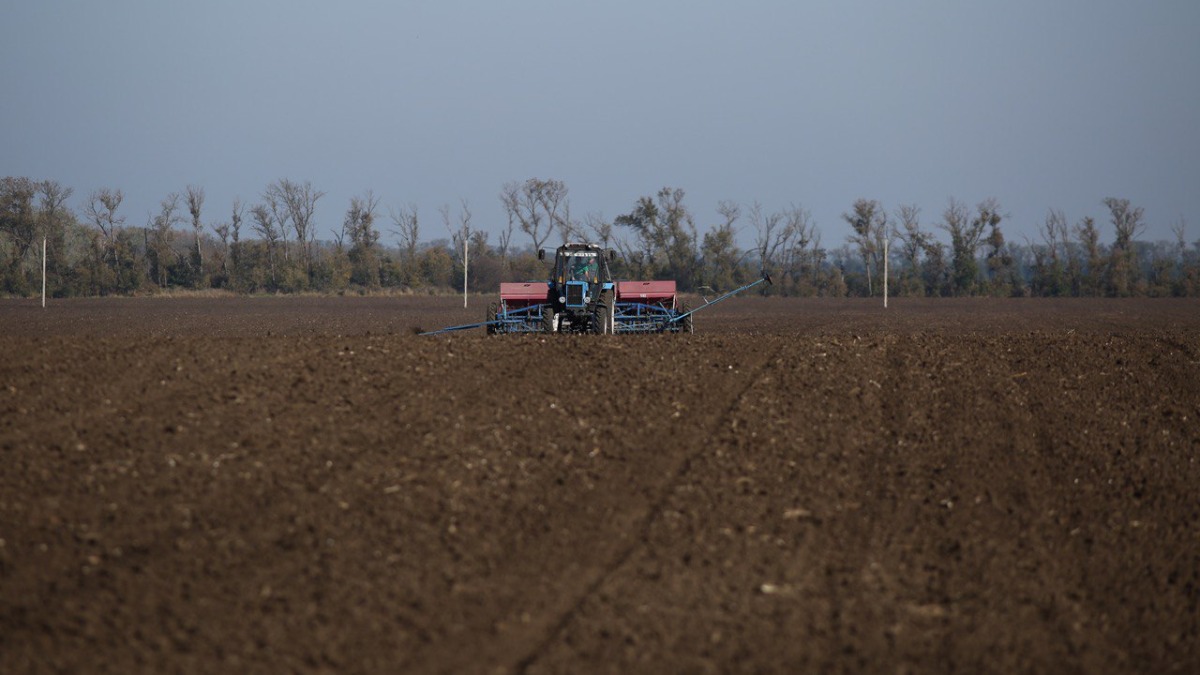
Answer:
(885, 270)
(465, 240)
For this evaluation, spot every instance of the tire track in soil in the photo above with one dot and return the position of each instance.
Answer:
(663, 495)
(701, 575)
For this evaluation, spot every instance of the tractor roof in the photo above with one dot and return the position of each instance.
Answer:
(577, 246)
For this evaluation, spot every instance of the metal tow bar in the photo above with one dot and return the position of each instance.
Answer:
(466, 326)
(766, 278)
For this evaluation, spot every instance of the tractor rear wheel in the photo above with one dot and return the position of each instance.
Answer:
(548, 323)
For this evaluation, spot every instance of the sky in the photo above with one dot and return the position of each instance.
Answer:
(1047, 104)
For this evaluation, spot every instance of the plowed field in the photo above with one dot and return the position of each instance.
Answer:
(275, 485)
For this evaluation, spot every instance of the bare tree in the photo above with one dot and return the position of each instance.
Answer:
(569, 229)
(54, 215)
(1090, 277)
(868, 220)
(912, 239)
(18, 220)
(1179, 229)
(299, 203)
(273, 202)
(1001, 264)
(506, 241)
(339, 237)
(965, 236)
(53, 199)
(537, 206)
(786, 241)
(195, 202)
(1067, 251)
(101, 209)
(665, 228)
(1050, 231)
(222, 232)
(798, 255)
(1049, 270)
(521, 205)
(770, 237)
(678, 235)
(478, 253)
(235, 234)
(600, 229)
(270, 232)
(162, 228)
(729, 211)
(643, 222)
(1126, 220)
(359, 224)
(408, 229)
(719, 249)
(1128, 225)
(552, 196)
(459, 231)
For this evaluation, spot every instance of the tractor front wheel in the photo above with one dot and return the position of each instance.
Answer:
(600, 319)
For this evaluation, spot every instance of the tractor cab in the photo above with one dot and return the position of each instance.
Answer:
(581, 289)
(578, 266)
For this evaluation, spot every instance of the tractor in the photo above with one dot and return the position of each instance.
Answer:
(581, 292)
(581, 297)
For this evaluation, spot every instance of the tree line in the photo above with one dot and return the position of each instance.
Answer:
(271, 246)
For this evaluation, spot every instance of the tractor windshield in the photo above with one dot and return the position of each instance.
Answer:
(581, 266)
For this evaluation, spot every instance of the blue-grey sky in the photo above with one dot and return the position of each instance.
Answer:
(1040, 104)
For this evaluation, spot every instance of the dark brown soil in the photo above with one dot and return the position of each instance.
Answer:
(274, 485)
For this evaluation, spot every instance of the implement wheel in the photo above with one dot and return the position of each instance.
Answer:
(685, 326)
(492, 328)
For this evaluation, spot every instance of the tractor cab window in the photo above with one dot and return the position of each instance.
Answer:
(582, 267)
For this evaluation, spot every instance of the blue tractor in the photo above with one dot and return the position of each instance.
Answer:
(581, 294)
